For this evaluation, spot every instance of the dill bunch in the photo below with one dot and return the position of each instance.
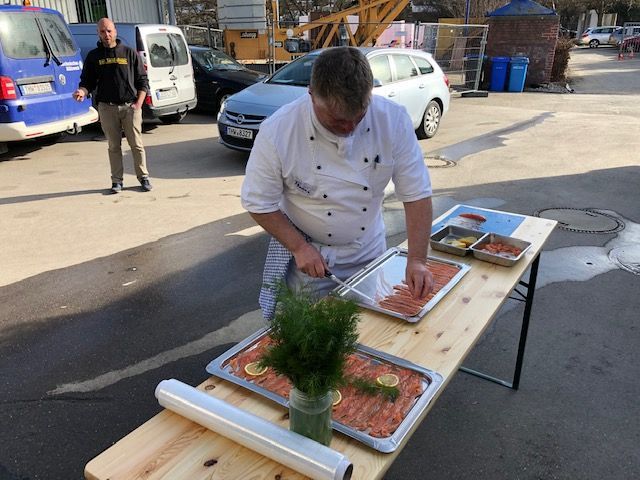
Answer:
(312, 340)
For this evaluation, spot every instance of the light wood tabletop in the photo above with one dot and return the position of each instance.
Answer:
(169, 446)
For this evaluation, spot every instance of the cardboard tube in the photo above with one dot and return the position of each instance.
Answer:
(288, 448)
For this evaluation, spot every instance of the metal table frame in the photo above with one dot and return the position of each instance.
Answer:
(528, 304)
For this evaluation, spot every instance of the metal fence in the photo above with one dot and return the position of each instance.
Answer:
(203, 35)
(458, 49)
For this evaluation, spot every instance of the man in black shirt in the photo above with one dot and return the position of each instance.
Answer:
(116, 73)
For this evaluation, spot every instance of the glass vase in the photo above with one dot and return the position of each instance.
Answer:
(311, 416)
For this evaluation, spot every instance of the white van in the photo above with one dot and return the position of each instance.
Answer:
(166, 59)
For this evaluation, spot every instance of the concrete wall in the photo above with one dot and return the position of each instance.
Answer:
(530, 36)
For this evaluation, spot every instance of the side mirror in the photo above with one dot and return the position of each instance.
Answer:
(376, 83)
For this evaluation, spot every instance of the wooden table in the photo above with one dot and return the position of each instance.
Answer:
(171, 447)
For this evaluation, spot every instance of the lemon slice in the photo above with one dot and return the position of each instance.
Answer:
(388, 380)
(337, 397)
(254, 369)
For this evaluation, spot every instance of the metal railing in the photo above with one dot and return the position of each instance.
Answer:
(458, 49)
(203, 35)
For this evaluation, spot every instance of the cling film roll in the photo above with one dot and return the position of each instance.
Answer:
(288, 448)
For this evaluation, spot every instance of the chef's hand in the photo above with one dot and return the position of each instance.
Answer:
(309, 261)
(419, 278)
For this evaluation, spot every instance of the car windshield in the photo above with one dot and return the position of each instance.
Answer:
(27, 35)
(297, 73)
(215, 60)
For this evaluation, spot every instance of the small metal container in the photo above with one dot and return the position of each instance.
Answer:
(504, 260)
(440, 239)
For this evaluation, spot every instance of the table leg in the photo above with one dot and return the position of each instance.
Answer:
(528, 303)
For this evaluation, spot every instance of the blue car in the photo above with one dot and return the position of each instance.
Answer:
(40, 68)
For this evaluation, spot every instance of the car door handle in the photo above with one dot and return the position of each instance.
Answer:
(422, 85)
(391, 94)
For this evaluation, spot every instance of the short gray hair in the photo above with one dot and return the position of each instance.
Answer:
(342, 77)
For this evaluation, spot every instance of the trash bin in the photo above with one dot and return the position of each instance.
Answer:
(498, 73)
(518, 73)
(472, 69)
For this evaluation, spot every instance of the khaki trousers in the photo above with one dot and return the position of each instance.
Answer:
(115, 119)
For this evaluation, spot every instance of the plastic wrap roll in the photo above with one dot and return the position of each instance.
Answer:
(288, 448)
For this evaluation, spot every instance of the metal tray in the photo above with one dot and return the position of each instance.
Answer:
(505, 261)
(451, 232)
(431, 382)
(378, 278)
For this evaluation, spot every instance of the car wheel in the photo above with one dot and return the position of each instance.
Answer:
(594, 43)
(173, 118)
(430, 120)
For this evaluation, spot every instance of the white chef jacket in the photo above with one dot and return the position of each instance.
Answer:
(332, 188)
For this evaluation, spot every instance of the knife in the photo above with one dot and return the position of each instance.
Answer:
(330, 275)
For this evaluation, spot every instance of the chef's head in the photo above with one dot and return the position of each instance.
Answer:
(340, 89)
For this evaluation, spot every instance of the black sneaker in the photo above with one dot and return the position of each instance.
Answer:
(145, 184)
(116, 187)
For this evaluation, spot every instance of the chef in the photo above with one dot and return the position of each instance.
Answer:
(316, 178)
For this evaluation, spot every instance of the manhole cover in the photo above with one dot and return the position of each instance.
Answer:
(627, 258)
(437, 161)
(583, 220)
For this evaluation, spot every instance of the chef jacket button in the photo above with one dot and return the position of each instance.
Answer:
(319, 167)
(329, 213)
(311, 138)
(365, 188)
(328, 244)
(362, 228)
(324, 196)
(368, 129)
(328, 234)
(364, 209)
(366, 160)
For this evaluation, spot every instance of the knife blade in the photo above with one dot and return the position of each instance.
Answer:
(330, 275)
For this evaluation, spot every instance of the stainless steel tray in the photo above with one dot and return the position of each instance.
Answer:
(378, 278)
(504, 260)
(431, 382)
(440, 238)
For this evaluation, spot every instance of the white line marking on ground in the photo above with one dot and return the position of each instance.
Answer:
(237, 330)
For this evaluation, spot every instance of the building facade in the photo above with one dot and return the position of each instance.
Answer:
(90, 11)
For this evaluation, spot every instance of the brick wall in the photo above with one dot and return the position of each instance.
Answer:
(530, 36)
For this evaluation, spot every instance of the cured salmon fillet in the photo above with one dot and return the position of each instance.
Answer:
(375, 415)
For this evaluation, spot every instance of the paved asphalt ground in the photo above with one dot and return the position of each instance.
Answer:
(101, 297)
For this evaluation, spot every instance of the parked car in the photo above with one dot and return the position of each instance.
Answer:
(40, 68)
(218, 76)
(411, 78)
(623, 33)
(596, 36)
(163, 49)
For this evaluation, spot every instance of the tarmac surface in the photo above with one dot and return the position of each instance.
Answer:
(103, 296)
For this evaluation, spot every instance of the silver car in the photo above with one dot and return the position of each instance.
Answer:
(411, 78)
(596, 36)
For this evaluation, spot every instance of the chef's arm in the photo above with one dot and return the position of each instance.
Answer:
(418, 215)
(307, 257)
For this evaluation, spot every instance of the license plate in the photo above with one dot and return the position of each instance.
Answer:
(240, 132)
(36, 88)
(164, 94)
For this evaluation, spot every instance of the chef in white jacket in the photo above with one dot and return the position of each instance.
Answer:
(316, 176)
